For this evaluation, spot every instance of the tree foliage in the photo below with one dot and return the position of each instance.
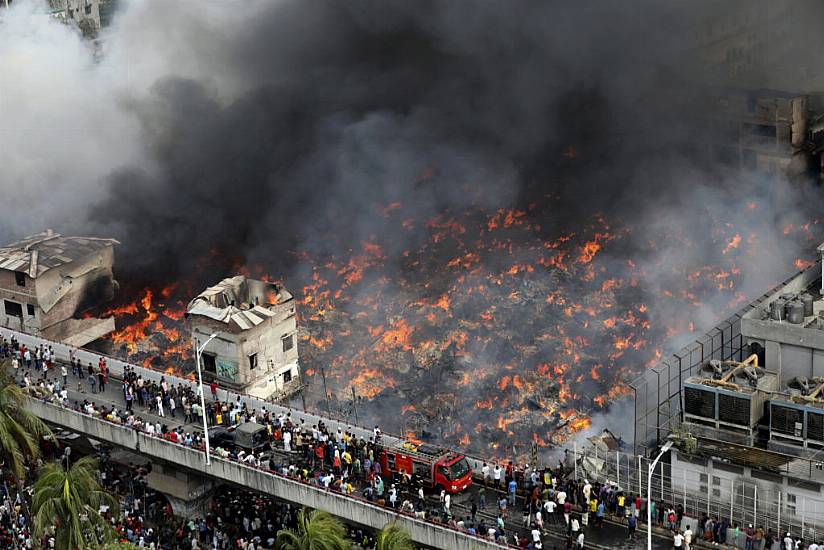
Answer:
(393, 537)
(69, 501)
(20, 430)
(317, 530)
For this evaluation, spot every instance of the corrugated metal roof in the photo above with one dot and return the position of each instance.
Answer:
(39, 253)
(231, 302)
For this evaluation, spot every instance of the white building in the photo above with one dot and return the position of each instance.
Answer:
(256, 349)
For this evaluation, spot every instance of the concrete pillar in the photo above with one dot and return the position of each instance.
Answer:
(188, 493)
(190, 509)
(772, 357)
(820, 248)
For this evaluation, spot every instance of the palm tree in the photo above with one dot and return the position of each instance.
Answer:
(393, 537)
(317, 530)
(20, 430)
(70, 501)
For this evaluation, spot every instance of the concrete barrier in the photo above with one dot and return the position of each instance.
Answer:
(350, 509)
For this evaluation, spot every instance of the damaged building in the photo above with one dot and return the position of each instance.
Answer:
(48, 283)
(255, 350)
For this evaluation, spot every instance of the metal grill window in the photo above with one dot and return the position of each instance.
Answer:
(815, 426)
(784, 420)
(699, 402)
(735, 410)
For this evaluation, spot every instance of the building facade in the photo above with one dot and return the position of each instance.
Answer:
(48, 283)
(255, 350)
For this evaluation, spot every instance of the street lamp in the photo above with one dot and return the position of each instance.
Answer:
(198, 353)
(667, 446)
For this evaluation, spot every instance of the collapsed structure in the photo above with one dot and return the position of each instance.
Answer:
(255, 350)
(48, 282)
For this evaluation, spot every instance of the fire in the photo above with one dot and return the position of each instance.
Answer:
(486, 404)
(733, 243)
(801, 264)
(494, 324)
(579, 424)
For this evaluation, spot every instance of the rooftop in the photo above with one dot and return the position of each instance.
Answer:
(39, 253)
(239, 301)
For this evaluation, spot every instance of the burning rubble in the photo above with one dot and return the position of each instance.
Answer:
(494, 333)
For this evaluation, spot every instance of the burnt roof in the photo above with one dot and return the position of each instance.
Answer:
(39, 253)
(239, 301)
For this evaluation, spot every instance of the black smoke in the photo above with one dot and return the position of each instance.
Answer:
(437, 105)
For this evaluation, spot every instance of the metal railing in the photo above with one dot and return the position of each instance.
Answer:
(770, 505)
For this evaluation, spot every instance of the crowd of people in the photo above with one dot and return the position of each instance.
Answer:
(550, 500)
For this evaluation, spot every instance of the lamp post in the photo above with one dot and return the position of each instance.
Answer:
(198, 353)
(667, 446)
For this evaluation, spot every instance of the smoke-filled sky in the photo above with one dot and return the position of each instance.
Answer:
(273, 127)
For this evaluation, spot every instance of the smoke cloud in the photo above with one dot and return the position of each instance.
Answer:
(258, 132)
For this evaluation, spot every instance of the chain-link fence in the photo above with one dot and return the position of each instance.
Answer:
(657, 392)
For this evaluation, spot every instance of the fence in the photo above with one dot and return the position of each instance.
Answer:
(772, 504)
(657, 392)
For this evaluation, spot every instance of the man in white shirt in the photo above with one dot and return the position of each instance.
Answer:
(580, 541)
(688, 538)
(549, 506)
(561, 498)
(587, 490)
(788, 541)
(496, 475)
(677, 540)
(485, 472)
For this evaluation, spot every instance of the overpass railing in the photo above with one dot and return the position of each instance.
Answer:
(350, 507)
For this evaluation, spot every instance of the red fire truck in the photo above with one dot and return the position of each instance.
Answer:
(432, 466)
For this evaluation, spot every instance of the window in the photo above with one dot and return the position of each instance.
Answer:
(14, 309)
(209, 364)
(20, 278)
(253, 361)
(30, 310)
(88, 9)
(791, 503)
(716, 481)
(390, 461)
(287, 376)
(288, 343)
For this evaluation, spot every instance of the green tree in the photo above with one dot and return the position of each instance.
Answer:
(20, 430)
(393, 537)
(317, 530)
(70, 501)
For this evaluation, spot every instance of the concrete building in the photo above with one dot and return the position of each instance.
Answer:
(756, 425)
(759, 130)
(256, 350)
(48, 282)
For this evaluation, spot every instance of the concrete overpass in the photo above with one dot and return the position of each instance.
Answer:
(350, 509)
(116, 369)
